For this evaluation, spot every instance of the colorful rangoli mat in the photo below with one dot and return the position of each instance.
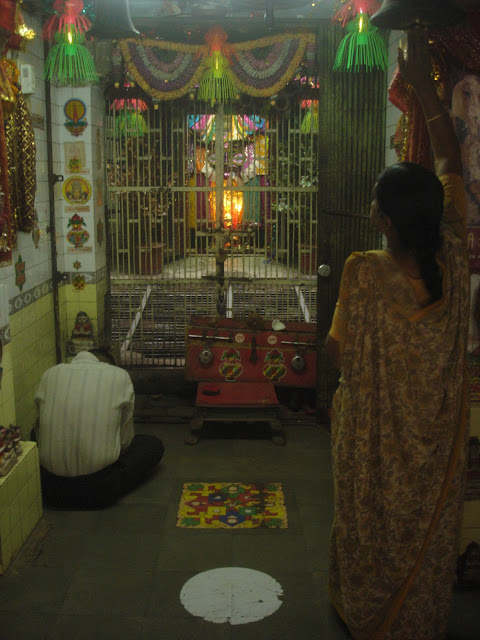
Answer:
(232, 505)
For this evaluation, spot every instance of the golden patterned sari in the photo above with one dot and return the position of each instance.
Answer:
(399, 433)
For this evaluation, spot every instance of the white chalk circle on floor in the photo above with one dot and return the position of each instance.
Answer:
(231, 594)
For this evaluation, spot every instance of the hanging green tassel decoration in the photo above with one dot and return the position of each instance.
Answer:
(216, 84)
(131, 123)
(362, 48)
(69, 62)
(310, 119)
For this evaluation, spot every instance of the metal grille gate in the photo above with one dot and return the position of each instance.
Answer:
(210, 211)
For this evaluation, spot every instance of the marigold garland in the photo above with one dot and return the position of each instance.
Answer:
(188, 49)
(292, 48)
(286, 73)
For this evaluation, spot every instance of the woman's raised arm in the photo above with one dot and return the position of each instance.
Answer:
(416, 68)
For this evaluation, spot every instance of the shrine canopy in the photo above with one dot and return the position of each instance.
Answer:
(260, 68)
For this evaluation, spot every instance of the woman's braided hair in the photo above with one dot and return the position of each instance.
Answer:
(412, 197)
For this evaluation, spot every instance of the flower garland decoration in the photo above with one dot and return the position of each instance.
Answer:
(362, 48)
(164, 70)
(264, 66)
(260, 68)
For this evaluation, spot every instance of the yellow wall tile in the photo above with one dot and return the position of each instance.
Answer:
(15, 513)
(23, 505)
(6, 552)
(32, 342)
(8, 411)
(16, 539)
(3, 495)
(5, 527)
(7, 399)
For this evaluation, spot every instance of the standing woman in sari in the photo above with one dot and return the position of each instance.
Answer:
(399, 416)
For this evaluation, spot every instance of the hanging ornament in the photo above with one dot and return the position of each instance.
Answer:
(362, 48)
(68, 18)
(216, 83)
(310, 119)
(132, 103)
(7, 23)
(129, 121)
(6, 235)
(349, 9)
(9, 85)
(69, 62)
(22, 33)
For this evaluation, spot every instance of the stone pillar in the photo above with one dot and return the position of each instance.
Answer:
(80, 217)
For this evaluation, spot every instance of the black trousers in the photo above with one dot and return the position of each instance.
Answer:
(100, 489)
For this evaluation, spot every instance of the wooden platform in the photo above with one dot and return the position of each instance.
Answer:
(236, 402)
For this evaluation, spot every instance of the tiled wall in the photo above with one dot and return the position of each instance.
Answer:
(33, 351)
(7, 397)
(20, 503)
(30, 310)
(27, 326)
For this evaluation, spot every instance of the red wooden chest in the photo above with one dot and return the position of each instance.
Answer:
(231, 350)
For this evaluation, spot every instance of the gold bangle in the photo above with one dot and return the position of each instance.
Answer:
(437, 116)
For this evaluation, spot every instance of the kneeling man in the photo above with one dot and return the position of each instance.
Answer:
(89, 453)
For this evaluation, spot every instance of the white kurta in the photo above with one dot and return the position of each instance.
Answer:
(86, 415)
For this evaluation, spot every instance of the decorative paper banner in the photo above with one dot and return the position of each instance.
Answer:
(68, 18)
(362, 48)
(348, 9)
(261, 68)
